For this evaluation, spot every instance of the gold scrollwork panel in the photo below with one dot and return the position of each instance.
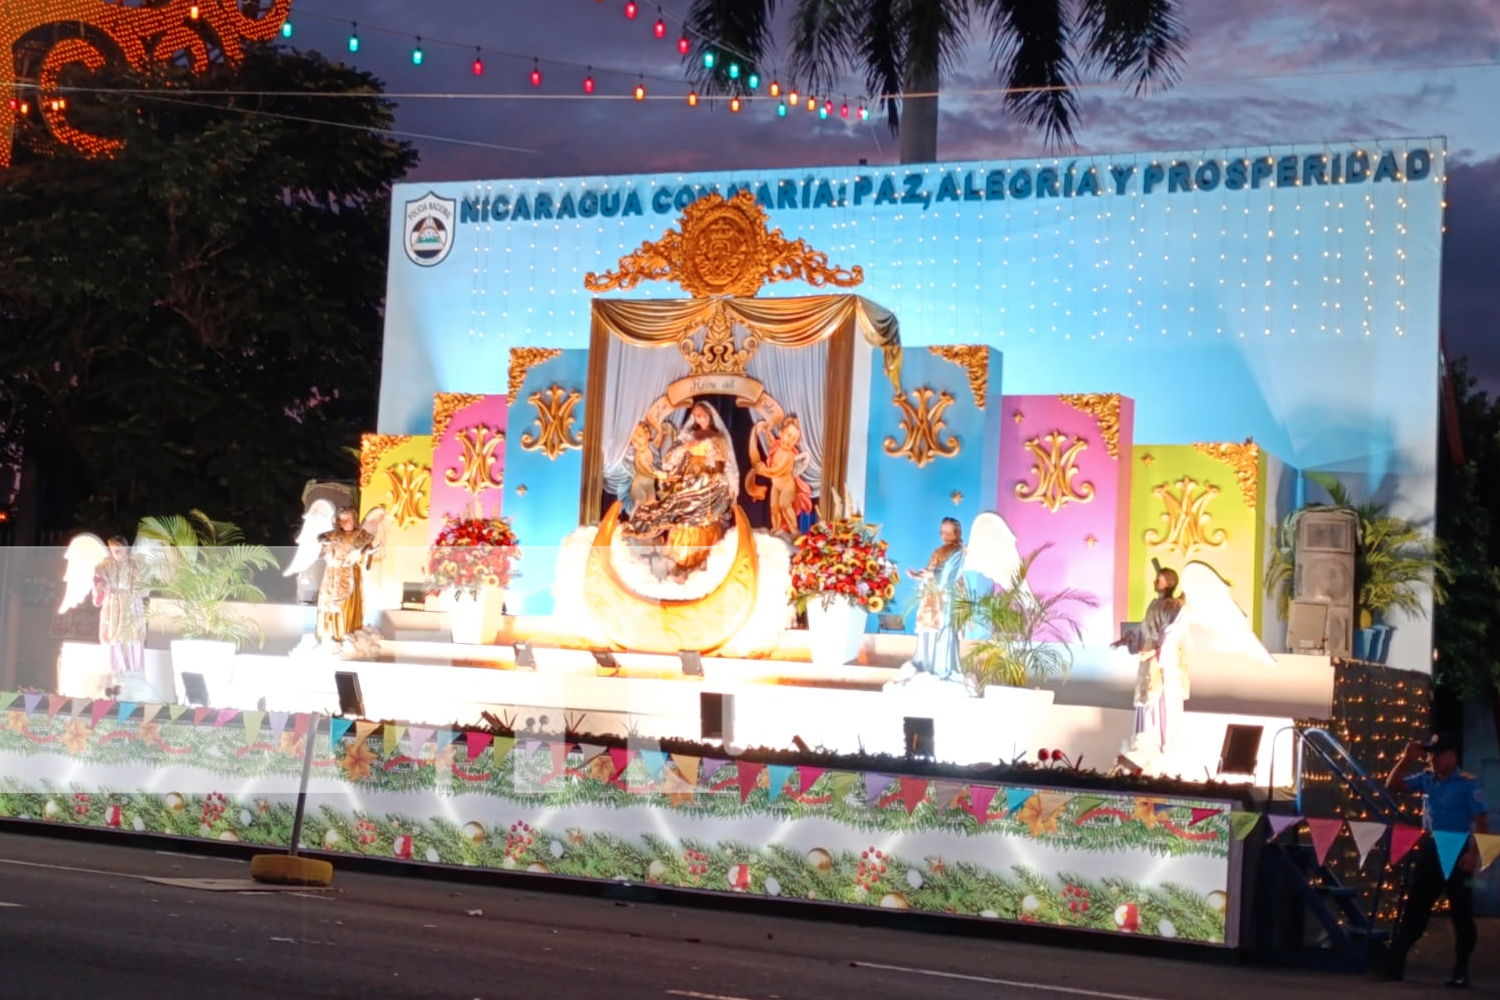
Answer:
(476, 469)
(923, 427)
(1055, 469)
(554, 423)
(1186, 520)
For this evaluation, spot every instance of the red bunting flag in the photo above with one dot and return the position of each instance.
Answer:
(560, 750)
(1403, 839)
(99, 710)
(300, 722)
(55, 702)
(620, 758)
(199, 714)
(1199, 815)
(748, 774)
(477, 743)
(1324, 833)
(913, 791)
(980, 798)
(807, 777)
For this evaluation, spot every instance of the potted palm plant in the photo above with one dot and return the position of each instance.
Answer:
(1395, 559)
(199, 569)
(1024, 638)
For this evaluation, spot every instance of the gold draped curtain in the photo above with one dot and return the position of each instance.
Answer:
(796, 321)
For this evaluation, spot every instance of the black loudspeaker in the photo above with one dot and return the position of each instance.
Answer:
(717, 713)
(692, 663)
(351, 701)
(605, 663)
(921, 737)
(524, 658)
(194, 690)
(1241, 751)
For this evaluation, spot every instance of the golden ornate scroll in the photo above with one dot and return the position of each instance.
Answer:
(1186, 517)
(1244, 459)
(922, 423)
(446, 406)
(410, 485)
(720, 354)
(476, 471)
(637, 623)
(91, 33)
(374, 447)
(554, 422)
(973, 359)
(1104, 407)
(522, 360)
(725, 247)
(1055, 468)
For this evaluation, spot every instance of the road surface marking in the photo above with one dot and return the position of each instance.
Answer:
(64, 868)
(1014, 984)
(21, 906)
(701, 996)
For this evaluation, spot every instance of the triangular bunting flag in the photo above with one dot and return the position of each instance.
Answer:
(778, 775)
(1200, 814)
(79, 704)
(530, 747)
(747, 773)
(55, 703)
(944, 794)
(477, 743)
(807, 777)
(687, 766)
(225, 715)
(1280, 824)
(200, 713)
(419, 738)
(391, 736)
(127, 709)
(8, 699)
(336, 730)
(913, 791)
(560, 750)
(175, 712)
(1489, 849)
(252, 722)
(842, 785)
(363, 728)
(1449, 847)
(503, 745)
(1085, 804)
(590, 751)
(1366, 835)
(1241, 823)
(654, 760)
(1015, 798)
(98, 710)
(31, 701)
(875, 786)
(300, 726)
(980, 797)
(149, 713)
(442, 738)
(278, 725)
(1403, 839)
(620, 758)
(711, 766)
(1324, 833)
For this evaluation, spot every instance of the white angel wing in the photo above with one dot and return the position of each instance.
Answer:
(317, 520)
(1211, 625)
(374, 523)
(992, 549)
(83, 556)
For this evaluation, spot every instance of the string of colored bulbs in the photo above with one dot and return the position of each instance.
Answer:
(788, 98)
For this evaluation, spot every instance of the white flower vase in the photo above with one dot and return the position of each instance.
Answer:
(836, 632)
(475, 619)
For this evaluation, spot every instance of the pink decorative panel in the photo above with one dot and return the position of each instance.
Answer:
(1065, 483)
(468, 458)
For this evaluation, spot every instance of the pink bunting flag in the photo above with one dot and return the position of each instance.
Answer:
(1366, 835)
(913, 792)
(807, 777)
(98, 711)
(477, 743)
(1200, 814)
(748, 772)
(1324, 833)
(1403, 839)
(55, 703)
(620, 758)
(980, 797)
(199, 714)
(1281, 824)
(419, 738)
(225, 714)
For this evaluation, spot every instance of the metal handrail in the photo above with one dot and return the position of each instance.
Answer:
(1343, 764)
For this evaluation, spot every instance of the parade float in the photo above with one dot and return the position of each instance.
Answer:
(707, 429)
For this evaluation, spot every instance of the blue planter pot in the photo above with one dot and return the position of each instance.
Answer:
(1366, 644)
(1384, 634)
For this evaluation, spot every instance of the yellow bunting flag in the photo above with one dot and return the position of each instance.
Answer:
(392, 736)
(1489, 849)
(252, 721)
(502, 748)
(1242, 823)
(149, 712)
(363, 728)
(687, 766)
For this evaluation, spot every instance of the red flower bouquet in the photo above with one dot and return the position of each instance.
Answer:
(842, 558)
(471, 553)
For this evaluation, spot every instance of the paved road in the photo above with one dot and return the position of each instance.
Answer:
(83, 919)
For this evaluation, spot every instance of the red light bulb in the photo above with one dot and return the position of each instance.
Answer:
(478, 66)
(631, 9)
(588, 85)
(660, 29)
(536, 77)
(683, 45)
(844, 111)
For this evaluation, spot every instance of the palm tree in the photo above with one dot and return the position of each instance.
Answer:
(904, 48)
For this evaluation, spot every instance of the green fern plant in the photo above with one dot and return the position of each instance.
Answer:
(1395, 559)
(1025, 637)
(204, 567)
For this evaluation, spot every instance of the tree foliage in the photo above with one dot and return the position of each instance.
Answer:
(196, 321)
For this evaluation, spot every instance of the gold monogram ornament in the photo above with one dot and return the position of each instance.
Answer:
(554, 422)
(410, 484)
(1186, 517)
(720, 354)
(726, 248)
(922, 423)
(1054, 470)
(1104, 407)
(974, 359)
(372, 448)
(477, 471)
(446, 406)
(522, 360)
(1244, 459)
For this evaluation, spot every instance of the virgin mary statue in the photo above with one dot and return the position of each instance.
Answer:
(698, 483)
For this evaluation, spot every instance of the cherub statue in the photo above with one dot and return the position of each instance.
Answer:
(782, 465)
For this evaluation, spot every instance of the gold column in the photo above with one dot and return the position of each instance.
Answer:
(592, 488)
(838, 389)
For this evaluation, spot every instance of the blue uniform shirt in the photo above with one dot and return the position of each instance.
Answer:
(1450, 804)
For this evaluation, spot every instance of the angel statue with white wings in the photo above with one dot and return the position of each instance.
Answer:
(118, 581)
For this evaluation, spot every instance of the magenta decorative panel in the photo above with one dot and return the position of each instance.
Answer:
(1065, 483)
(468, 458)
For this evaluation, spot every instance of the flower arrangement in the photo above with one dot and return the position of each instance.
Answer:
(842, 558)
(470, 553)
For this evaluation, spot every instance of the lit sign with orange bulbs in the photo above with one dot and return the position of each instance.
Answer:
(93, 33)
